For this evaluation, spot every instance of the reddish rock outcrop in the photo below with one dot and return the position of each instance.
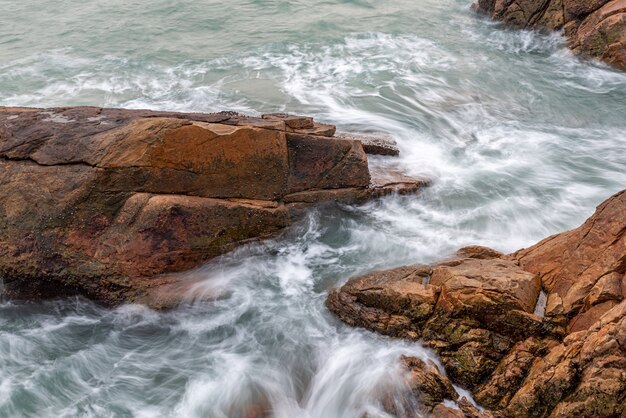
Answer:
(582, 270)
(104, 202)
(477, 311)
(595, 28)
(472, 312)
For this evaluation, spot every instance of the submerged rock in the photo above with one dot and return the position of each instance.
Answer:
(595, 28)
(108, 202)
(477, 311)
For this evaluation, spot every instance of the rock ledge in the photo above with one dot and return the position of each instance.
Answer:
(109, 203)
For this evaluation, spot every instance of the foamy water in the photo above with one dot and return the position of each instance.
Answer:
(521, 139)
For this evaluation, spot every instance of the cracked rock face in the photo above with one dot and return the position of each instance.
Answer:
(595, 28)
(108, 202)
(476, 311)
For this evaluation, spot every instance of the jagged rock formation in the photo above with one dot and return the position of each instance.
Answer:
(107, 202)
(478, 312)
(595, 28)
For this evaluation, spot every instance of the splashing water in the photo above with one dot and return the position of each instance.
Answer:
(521, 139)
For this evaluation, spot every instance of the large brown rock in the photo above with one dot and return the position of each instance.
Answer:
(486, 287)
(584, 267)
(484, 307)
(595, 28)
(472, 311)
(105, 202)
(317, 163)
(476, 310)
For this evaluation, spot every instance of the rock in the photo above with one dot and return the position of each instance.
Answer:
(293, 122)
(577, 8)
(65, 233)
(462, 313)
(608, 287)
(603, 34)
(389, 179)
(406, 187)
(427, 383)
(298, 124)
(110, 203)
(471, 411)
(317, 163)
(479, 252)
(442, 411)
(394, 302)
(423, 381)
(375, 144)
(383, 181)
(589, 317)
(595, 28)
(318, 129)
(497, 391)
(207, 160)
(476, 312)
(261, 409)
(582, 267)
(583, 376)
(484, 307)
(486, 287)
(463, 409)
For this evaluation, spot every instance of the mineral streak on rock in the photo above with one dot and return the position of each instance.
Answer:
(595, 28)
(105, 202)
(477, 311)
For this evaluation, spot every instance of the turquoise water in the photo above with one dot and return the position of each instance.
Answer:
(521, 138)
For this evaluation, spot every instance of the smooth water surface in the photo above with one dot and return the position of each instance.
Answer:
(521, 138)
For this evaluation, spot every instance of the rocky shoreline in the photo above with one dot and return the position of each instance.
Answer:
(594, 28)
(111, 203)
(479, 311)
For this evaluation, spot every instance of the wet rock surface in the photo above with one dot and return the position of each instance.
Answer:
(105, 202)
(584, 268)
(425, 391)
(373, 143)
(595, 28)
(476, 310)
